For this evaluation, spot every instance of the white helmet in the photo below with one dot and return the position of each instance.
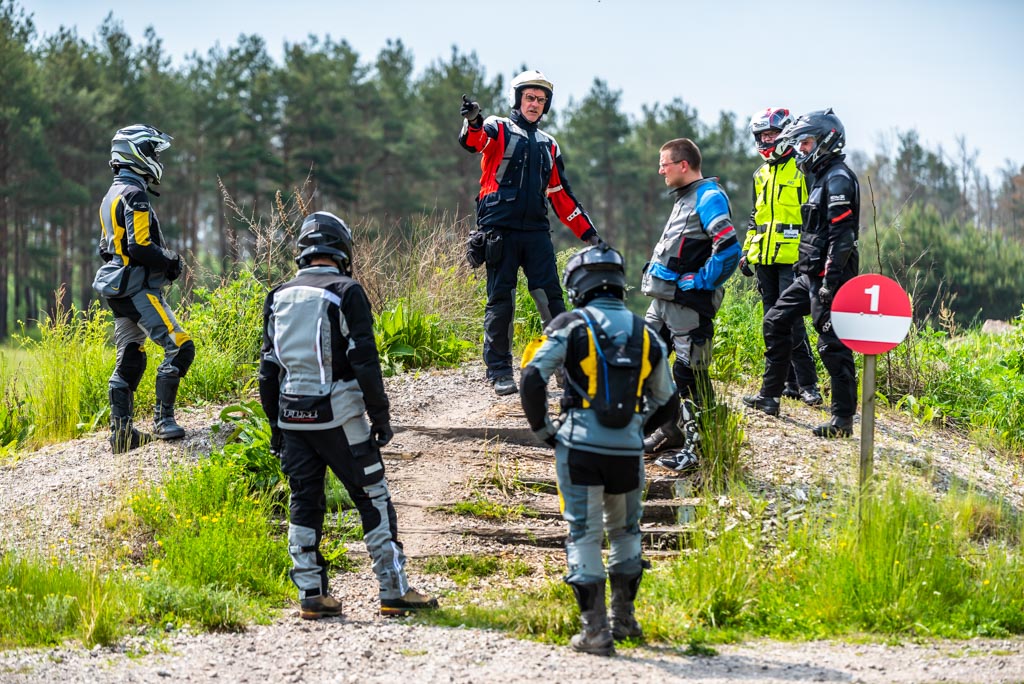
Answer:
(138, 148)
(529, 79)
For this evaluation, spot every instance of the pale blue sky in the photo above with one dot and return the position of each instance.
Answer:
(942, 67)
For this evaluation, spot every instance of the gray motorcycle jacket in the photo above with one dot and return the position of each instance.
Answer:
(319, 366)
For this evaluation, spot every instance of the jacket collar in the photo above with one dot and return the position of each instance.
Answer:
(679, 192)
(519, 120)
(129, 176)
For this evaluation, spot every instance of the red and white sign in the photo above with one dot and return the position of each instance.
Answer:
(871, 314)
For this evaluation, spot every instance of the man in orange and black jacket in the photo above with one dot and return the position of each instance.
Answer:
(522, 170)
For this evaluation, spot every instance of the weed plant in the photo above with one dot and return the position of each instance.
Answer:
(409, 339)
(45, 603)
(482, 507)
(247, 446)
(466, 568)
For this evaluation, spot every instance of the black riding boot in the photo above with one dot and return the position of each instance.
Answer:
(123, 436)
(165, 426)
(595, 637)
(624, 589)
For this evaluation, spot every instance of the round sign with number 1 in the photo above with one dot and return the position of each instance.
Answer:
(871, 314)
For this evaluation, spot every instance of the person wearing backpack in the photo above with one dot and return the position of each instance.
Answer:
(616, 381)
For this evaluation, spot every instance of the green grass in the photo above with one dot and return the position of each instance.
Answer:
(915, 566)
(465, 568)
(210, 530)
(482, 507)
(44, 603)
(722, 437)
(971, 381)
(199, 551)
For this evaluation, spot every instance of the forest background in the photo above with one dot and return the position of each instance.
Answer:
(372, 141)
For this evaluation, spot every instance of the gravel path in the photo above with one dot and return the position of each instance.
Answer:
(452, 434)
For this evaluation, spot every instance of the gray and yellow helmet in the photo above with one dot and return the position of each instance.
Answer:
(138, 147)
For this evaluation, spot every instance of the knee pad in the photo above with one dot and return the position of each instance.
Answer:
(686, 382)
(184, 358)
(132, 365)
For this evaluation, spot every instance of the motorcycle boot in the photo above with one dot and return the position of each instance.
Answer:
(623, 619)
(769, 405)
(165, 427)
(835, 426)
(665, 438)
(687, 458)
(123, 435)
(595, 635)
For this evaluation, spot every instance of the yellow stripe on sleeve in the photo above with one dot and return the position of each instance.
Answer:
(118, 231)
(140, 222)
(531, 349)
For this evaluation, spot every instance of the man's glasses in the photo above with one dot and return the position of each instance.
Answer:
(534, 98)
(662, 165)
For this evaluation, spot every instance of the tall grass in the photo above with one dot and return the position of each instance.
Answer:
(201, 550)
(44, 603)
(65, 376)
(970, 380)
(226, 324)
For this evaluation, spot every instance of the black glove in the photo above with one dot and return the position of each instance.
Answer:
(470, 110)
(381, 433)
(174, 268)
(595, 240)
(745, 267)
(825, 295)
(276, 441)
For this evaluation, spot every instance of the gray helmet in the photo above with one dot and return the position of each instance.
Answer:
(594, 270)
(138, 147)
(325, 234)
(829, 138)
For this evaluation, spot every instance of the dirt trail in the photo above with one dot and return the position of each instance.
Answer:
(455, 440)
